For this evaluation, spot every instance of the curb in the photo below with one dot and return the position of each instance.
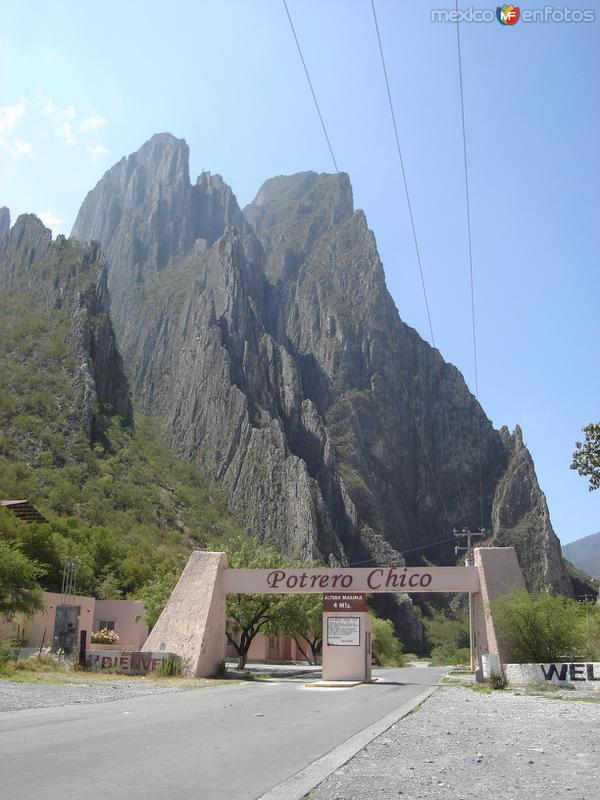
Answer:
(297, 786)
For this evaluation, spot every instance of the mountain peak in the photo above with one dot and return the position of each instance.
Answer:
(306, 192)
(4, 221)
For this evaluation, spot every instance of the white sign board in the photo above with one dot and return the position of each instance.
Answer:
(343, 631)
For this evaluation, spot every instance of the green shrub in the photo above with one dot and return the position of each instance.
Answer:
(448, 654)
(498, 680)
(170, 667)
(540, 627)
(385, 645)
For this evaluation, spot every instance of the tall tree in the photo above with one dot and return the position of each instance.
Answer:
(586, 458)
(20, 591)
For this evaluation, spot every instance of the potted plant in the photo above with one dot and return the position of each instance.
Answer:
(105, 639)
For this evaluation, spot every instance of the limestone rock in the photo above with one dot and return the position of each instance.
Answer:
(4, 221)
(70, 278)
(520, 518)
(268, 344)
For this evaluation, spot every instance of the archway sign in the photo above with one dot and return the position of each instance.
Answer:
(192, 624)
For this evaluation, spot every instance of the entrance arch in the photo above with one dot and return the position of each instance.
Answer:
(192, 624)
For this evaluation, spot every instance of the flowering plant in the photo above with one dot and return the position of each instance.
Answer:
(105, 637)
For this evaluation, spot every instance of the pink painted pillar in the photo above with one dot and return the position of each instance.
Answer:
(192, 624)
(347, 662)
(499, 574)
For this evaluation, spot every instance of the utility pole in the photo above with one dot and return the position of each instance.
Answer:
(467, 535)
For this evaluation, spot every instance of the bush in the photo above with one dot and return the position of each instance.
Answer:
(44, 661)
(385, 645)
(498, 680)
(540, 627)
(170, 667)
(448, 654)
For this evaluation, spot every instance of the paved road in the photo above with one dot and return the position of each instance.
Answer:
(225, 743)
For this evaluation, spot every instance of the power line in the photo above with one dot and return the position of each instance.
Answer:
(422, 276)
(410, 211)
(412, 550)
(312, 91)
(470, 250)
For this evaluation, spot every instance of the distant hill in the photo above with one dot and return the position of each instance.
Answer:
(585, 554)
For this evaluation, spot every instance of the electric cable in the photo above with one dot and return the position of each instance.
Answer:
(411, 550)
(470, 251)
(421, 273)
(312, 91)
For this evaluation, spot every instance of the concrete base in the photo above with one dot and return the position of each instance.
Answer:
(333, 684)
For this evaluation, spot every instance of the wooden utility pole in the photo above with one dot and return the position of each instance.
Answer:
(467, 535)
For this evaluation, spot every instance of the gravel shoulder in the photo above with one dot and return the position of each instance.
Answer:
(52, 689)
(465, 745)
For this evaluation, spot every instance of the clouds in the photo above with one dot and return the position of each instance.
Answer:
(9, 118)
(69, 128)
(41, 115)
(91, 123)
(65, 132)
(50, 220)
(10, 115)
(97, 150)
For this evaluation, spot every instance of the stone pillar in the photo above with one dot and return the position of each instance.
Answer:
(499, 574)
(192, 624)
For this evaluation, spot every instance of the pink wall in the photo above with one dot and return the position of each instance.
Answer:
(269, 648)
(40, 628)
(128, 616)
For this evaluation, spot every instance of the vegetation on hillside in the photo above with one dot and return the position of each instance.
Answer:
(124, 507)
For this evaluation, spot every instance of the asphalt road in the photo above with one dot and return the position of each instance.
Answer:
(226, 742)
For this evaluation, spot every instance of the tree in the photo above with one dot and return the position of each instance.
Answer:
(20, 591)
(302, 619)
(539, 627)
(155, 595)
(586, 458)
(249, 614)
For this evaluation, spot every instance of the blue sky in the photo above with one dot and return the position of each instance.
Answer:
(82, 85)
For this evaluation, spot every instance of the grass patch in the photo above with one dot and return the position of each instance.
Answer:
(40, 676)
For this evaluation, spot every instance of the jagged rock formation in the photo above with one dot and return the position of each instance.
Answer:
(520, 518)
(268, 344)
(70, 280)
(4, 221)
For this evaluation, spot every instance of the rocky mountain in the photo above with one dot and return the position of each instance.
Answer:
(585, 554)
(64, 284)
(267, 343)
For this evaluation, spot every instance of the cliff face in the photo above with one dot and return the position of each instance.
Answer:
(67, 281)
(520, 518)
(268, 344)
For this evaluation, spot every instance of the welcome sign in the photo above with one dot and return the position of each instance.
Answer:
(373, 579)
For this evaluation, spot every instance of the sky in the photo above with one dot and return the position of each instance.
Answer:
(82, 85)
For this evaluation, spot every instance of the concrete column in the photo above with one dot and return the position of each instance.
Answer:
(192, 624)
(499, 574)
